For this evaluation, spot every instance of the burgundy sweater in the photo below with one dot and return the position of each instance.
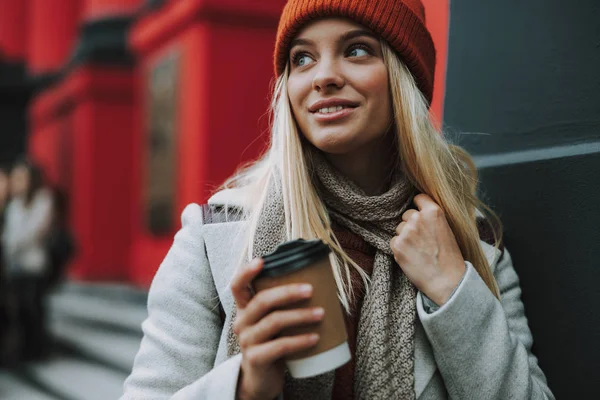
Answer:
(364, 255)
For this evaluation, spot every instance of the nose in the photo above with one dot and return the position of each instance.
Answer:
(328, 76)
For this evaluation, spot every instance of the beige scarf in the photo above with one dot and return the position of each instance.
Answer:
(386, 328)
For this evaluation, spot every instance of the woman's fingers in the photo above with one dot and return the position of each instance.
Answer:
(408, 213)
(275, 322)
(264, 355)
(271, 299)
(400, 227)
(240, 284)
(424, 202)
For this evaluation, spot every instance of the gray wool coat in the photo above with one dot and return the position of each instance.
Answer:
(473, 347)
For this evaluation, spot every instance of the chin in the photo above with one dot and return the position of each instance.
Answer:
(335, 143)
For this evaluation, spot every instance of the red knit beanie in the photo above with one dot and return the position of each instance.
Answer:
(400, 22)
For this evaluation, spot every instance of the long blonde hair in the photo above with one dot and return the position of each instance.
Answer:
(442, 170)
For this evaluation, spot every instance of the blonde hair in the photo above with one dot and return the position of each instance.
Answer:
(435, 167)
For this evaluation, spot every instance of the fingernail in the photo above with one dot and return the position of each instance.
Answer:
(314, 337)
(318, 312)
(254, 264)
(306, 289)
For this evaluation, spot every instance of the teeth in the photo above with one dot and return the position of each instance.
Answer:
(331, 109)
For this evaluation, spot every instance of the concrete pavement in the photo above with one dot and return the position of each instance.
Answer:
(97, 331)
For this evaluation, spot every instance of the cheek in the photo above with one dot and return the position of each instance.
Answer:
(378, 85)
(297, 92)
(374, 85)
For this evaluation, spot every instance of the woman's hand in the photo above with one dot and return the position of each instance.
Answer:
(427, 251)
(257, 325)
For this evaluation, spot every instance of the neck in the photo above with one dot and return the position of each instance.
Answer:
(370, 167)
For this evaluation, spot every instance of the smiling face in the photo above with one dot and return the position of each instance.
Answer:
(19, 181)
(338, 86)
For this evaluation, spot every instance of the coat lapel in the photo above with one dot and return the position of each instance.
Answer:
(425, 365)
(224, 241)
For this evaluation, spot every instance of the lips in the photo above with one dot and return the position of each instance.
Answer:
(331, 106)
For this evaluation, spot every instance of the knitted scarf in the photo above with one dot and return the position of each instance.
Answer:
(386, 329)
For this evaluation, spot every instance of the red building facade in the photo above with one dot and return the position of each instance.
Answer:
(141, 108)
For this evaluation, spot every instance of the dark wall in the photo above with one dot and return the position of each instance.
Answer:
(523, 91)
(14, 95)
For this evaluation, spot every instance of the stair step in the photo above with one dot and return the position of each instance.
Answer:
(108, 313)
(14, 388)
(75, 379)
(90, 343)
(115, 291)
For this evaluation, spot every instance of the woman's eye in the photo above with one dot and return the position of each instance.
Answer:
(301, 60)
(358, 52)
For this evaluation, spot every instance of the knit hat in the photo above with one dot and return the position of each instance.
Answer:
(400, 22)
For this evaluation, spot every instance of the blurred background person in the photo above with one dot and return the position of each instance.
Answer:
(6, 320)
(24, 241)
(4, 197)
(61, 243)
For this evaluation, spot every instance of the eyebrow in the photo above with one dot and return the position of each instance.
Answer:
(357, 33)
(345, 37)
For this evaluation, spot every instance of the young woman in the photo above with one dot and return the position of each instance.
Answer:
(432, 311)
(24, 241)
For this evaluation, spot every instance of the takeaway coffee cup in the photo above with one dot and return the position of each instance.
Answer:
(301, 261)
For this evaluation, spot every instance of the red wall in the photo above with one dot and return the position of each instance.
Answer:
(102, 120)
(81, 133)
(90, 133)
(218, 105)
(52, 33)
(99, 8)
(13, 29)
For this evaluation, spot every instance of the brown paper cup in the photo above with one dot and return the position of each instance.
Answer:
(302, 261)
